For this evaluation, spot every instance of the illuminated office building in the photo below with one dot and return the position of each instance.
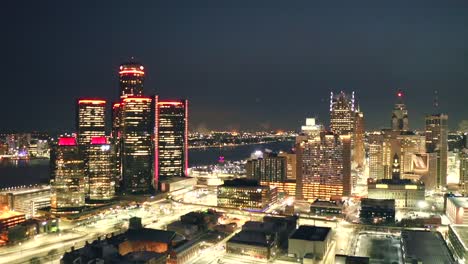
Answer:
(100, 170)
(375, 143)
(341, 113)
(359, 152)
(136, 145)
(274, 170)
(411, 145)
(171, 148)
(406, 193)
(436, 142)
(456, 141)
(68, 177)
(131, 79)
(406, 145)
(26, 200)
(400, 114)
(324, 167)
(269, 168)
(311, 128)
(291, 164)
(115, 132)
(464, 170)
(246, 194)
(91, 120)
(115, 141)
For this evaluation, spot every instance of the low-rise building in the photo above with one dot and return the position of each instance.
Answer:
(327, 208)
(285, 226)
(344, 259)
(425, 247)
(377, 211)
(137, 245)
(9, 219)
(170, 184)
(246, 194)
(183, 252)
(26, 200)
(195, 223)
(313, 241)
(458, 242)
(257, 239)
(256, 244)
(457, 210)
(406, 193)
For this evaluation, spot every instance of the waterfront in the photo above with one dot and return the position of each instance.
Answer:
(26, 172)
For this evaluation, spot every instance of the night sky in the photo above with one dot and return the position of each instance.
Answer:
(242, 64)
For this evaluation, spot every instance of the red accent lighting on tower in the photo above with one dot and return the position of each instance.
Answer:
(91, 101)
(98, 140)
(67, 141)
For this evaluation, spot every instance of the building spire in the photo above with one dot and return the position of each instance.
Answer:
(436, 100)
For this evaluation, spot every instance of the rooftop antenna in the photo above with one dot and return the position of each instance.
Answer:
(436, 99)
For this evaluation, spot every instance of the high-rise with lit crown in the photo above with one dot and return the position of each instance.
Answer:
(341, 113)
(67, 177)
(100, 170)
(136, 143)
(171, 142)
(437, 142)
(400, 114)
(91, 120)
(131, 79)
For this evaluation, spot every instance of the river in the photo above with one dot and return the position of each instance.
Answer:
(26, 172)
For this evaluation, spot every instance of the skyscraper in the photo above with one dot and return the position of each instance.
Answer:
(116, 142)
(67, 177)
(464, 170)
(269, 168)
(171, 142)
(376, 170)
(400, 114)
(91, 120)
(115, 132)
(359, 152)
(131, 79)
(436, 142)
(341, 113)
(100, 170)
(324, 167)
(136, 153)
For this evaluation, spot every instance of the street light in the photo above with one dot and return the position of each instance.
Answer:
(422, 205)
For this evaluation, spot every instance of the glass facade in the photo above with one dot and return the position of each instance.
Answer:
(341, 113)
(91, 121)
(131, 79)
(246, 194)
(437, 142)
(324, 167)
(68, 177)
(136, 145)
(171, 157)
(270, 168)
(100, 169)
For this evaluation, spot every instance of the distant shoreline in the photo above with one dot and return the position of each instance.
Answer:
(236, 145)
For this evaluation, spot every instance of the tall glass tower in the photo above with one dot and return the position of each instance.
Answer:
(171, 143)
(68, 177)
(136, 143)
(131, 79)
(91, 120)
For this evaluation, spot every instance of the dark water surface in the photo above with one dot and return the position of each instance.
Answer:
(26, 172)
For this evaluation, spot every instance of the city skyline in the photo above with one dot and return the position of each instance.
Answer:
(219, 61)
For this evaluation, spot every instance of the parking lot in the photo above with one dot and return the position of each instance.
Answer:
(381, 248)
